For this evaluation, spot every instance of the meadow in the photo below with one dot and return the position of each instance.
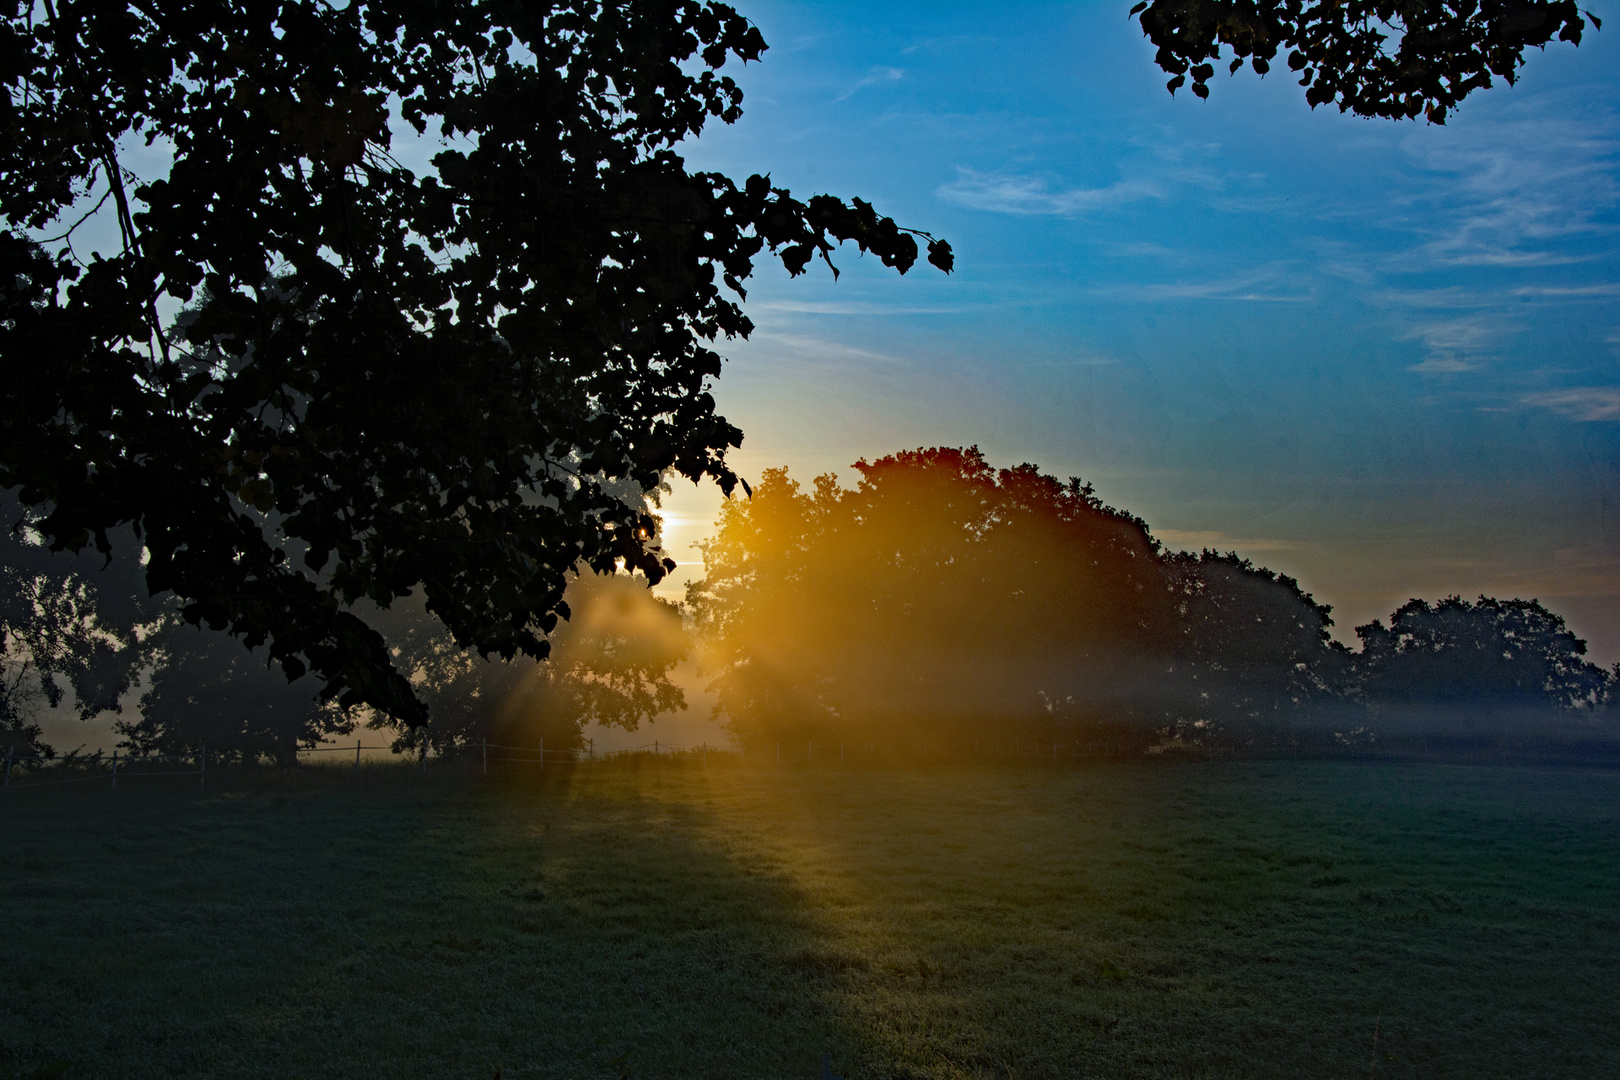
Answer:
(666, 919)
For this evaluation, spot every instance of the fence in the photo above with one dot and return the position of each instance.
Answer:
(486, 752)
(129, 766)
(480, 757)
(41, 772)
(935, 749)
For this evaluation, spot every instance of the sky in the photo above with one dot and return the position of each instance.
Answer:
(1381, 357)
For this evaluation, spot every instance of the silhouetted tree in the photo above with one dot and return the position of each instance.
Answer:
(65, 623)
(943, 598)
(1392, 58)
(1610, 707)
(939, 596)
(1255, 647)
(388, 378)
(610, 664)
(1488, 660)
(205, 690)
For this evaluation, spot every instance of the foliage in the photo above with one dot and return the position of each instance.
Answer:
(610, 664)
(1487, 656)
(65, 624)
(938, 592)
(941, 598)
(205, 690)
(385, 378)
(1257, 645)
(1392, 58)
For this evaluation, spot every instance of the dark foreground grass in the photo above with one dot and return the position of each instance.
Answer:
(1116, 920)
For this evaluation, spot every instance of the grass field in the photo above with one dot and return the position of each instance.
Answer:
(650, 919)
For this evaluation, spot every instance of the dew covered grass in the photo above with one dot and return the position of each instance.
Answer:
(653, 919)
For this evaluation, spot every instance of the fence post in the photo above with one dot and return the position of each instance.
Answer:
(10, 753)
(357, 755)
(486, 755)
(423, 758)
(655, 748)
(115, 768)
(202, 767)
(593, 747)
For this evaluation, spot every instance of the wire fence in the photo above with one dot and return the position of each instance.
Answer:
(25, 771)
(30, 771)
(483, 757)
(946, 750)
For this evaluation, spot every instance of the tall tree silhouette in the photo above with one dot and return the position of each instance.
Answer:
(385, 379)
(937, 596)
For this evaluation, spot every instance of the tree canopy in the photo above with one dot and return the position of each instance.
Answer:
(941, 598)
(1392, 58)
(939, 594)
(1488, 656)
(310, 376)
(610, 664)
(1254, 646)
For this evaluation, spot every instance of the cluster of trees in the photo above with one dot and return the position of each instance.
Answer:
(363, 417)
(85, 633)
(306, 382)
(938, 599)
(942, 598)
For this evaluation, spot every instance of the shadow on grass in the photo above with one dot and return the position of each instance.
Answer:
(591, 923)
(655, 918)
(1211, 919)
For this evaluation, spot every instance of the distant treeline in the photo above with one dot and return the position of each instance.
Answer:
(939, 599)
(88, 625)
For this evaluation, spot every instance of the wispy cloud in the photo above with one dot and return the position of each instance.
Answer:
(940, 44)
(1198, 539)
(854, 307)
(800, 346)
(1589, 403)
(1575, 292)
(873, 77)
(1143, 249)
(1005, 193)
(1450, 297)
(1270, 286)
(1458, 345)
(1508, 193)
(1444, 365)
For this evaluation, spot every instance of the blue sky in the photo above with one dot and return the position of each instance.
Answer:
(1384, 358)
